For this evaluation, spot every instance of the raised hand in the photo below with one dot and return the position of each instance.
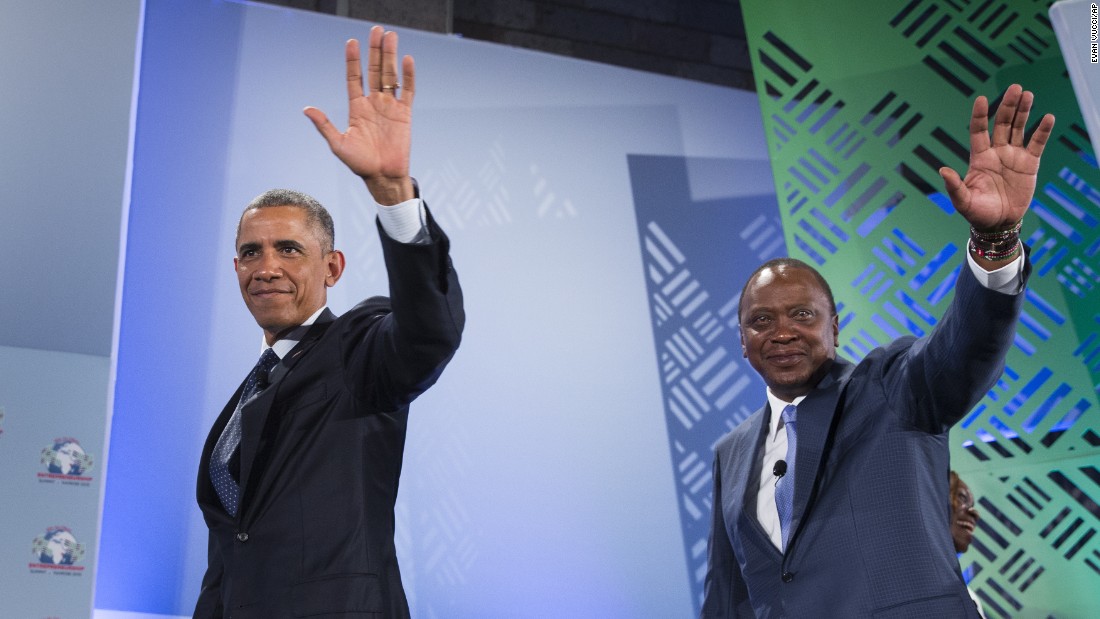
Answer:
(376, 143)
(1000, 182)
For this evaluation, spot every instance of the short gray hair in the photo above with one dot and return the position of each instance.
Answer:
(316, 215)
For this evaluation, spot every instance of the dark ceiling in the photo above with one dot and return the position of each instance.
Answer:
(702, 40)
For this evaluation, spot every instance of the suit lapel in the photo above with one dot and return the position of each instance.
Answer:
(323, 322)
(818, 415)
(255, 414)
(758, 432)
(744, 459)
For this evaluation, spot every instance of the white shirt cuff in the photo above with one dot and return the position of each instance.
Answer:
(1008, 279)
(403, 221)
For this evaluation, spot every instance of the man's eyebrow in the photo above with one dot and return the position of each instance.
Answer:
(251, 246)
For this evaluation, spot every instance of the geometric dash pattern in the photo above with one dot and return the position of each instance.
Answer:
(862, 104)
(475, 189)
(1028, 534)
(695, 258)
(444, 548)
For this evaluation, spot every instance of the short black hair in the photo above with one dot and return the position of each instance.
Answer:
(791, 263)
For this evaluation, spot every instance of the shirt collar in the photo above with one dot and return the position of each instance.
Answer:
(776, 407)
(291, 339)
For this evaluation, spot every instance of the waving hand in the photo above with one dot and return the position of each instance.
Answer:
(1000, 181)
(376, 143)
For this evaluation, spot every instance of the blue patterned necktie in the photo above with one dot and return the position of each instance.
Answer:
(228, 488)
(784, 488)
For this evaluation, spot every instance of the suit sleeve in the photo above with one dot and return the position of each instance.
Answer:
(209, 604)
(724, 592)
(943, 375)
(394, 357)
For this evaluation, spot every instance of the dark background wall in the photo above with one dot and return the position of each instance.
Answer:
(702, 40)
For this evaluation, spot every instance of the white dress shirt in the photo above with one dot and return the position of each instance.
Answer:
(775, 448)
(403, 221)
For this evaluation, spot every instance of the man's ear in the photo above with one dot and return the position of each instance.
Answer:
(741, 336)
(836, 331)
(334, 266)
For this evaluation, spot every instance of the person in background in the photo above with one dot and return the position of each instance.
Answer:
(963, 520)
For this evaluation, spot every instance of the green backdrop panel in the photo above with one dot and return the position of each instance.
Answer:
(862, 102)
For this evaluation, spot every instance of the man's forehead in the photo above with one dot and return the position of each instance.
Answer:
(783, 274)
(765, 277)
(266, 214)
(276, 224)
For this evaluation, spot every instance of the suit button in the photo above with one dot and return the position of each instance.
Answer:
(788, 576)
(243, 537)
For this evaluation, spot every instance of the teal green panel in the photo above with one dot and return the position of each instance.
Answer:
(862, 103)
(1034, 553)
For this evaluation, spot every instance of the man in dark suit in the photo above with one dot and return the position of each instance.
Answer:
(298, 478)
(850, 524)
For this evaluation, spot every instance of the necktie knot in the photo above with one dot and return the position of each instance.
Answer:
(789, 413)
(267, 360)
(257, 380)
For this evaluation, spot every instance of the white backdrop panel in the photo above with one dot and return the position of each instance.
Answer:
(537, 480)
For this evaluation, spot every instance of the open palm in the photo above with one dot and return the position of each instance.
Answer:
(376, 143)
(1000, 181)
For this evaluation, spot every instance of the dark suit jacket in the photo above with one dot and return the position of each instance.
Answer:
(871, 531)
(321, 452)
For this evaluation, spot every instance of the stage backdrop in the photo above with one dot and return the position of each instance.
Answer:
(863, 102)
(66, 83)
(540, 478)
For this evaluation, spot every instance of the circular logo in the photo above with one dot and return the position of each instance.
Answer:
(57, 546)
(66, 457)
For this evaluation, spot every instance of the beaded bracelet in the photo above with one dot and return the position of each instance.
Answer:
(992, 256)
(997, 235)
(996, 246)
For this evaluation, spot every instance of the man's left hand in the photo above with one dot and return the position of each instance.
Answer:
(1001, 180)
(377, 141)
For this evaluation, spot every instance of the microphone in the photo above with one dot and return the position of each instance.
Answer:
(779, 469)
(263, 380)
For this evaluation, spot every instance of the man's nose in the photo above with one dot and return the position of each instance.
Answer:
(268, 268)
(784, 330)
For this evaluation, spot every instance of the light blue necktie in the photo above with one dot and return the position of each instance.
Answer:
(228, 488)
(784, 488)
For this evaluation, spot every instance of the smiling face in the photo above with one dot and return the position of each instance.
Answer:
(963, 515)
(788, 329)
(282, 268)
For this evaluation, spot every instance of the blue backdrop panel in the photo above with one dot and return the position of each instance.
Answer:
(186, 87)
(698, 252)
